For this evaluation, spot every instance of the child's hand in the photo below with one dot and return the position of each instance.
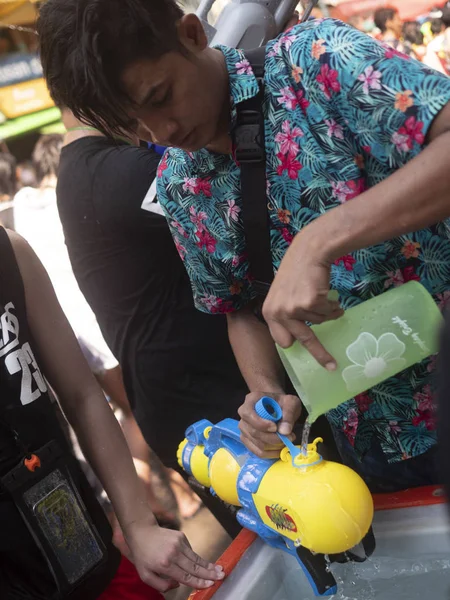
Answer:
(164, 558)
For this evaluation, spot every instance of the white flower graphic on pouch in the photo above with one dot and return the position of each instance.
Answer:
(373, 358)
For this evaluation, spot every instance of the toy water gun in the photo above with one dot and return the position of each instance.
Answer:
(300, 503)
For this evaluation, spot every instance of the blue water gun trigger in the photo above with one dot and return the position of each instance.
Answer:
(269, 409)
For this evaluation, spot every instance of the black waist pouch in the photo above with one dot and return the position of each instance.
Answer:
(43, 487)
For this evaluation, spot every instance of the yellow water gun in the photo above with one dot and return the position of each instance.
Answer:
(300, 503)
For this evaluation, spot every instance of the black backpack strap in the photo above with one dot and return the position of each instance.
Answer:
(250, 152)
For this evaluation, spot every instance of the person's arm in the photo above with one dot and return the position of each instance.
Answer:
(161, 556)
(414, 197)
(407, 133)
(263, 372)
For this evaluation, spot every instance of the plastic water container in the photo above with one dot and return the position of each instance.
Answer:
(371, 342)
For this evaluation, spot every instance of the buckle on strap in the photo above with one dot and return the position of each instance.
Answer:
(249, 147)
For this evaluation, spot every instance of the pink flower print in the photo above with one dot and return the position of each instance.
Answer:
(288, 98)
(179, 228)
(340, 190)
(424, 399)
(222, 307)
(243, 67)
(239, 259)
(204, 187)
(355, 188)
(428, 417)
(210, 302)
(409, 274)
(401, 142)
(289, 164)
(181, 249)
(286, 138)
(303, 102)
(363, 401)
(399, 277)
(285, 40)
(318, 48)
(233, 210)
(351, 425)
(287, 235)
(197, 218)
(367, 149)
(413, 130)
(370, 79)
(328, 81)
(197, 186)
(206, 240)
(444, 300)
(189, 184)
(334, 129)
(162, 166)
(348, 261)
(394, 278)
(394, 427)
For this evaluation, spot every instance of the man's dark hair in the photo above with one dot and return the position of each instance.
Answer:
(412, 33)
(383, 15)
(46, 155)
(8, 180)
(86, 44)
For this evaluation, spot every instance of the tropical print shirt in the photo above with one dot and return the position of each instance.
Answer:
(342, 113)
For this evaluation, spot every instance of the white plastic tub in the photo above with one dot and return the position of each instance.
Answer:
(411, 560)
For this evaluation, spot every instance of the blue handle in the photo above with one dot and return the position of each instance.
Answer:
(269, 409)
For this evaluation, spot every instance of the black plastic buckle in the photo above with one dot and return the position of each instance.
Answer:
(249, 148)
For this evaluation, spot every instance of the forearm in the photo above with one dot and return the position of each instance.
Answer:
(255, 352)
(414, 197)
(106, 450)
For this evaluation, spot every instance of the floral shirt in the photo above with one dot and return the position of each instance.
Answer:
(342, 112)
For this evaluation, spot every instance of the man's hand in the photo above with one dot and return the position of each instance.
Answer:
(259, 435)
(299, 293)
(164, 558)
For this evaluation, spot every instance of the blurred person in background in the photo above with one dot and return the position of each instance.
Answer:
(36, 219)
(438, 51)
(413, 44)
(8, 180)
(8, 187)
(389, 23)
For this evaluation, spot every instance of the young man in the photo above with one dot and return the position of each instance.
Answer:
(356, 142)
(38, 350)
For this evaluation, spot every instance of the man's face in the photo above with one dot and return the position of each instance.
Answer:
(396, 25)
(179, 100)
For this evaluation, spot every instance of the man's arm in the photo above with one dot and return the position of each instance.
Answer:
(161, 557)
(414, 197)
(261, 367)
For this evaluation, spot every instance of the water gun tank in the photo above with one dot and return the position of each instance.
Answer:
(247, 23)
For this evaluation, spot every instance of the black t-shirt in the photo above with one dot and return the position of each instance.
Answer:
(26, 407)
(177, 362)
